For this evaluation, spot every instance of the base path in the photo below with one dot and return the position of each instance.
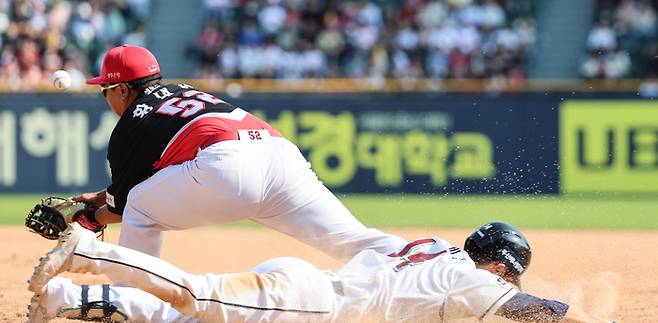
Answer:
(609, 273)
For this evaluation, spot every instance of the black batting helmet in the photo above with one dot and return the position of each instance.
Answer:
(499, 241)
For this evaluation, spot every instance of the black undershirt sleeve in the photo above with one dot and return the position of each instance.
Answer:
(527, 308)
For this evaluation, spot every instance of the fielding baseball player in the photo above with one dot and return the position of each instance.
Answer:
(425, 281)
(182, 158)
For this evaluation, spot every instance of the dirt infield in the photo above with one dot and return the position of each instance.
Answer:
(610, 273)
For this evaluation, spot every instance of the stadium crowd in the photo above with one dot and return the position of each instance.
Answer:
(38, 37)
(623, 41)
(329, 38)
(279, 39)
(324, 38)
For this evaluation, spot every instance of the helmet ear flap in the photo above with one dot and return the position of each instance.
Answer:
(511, 260)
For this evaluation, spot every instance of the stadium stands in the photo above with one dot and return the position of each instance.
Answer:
(402, 39)
(38, 37)
(298, 39)
(623, 42)
(280, 39)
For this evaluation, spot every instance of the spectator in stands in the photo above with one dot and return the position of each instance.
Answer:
(602, 37)
(593, 66)
(331, 42)
(209, 44)
(229, 61)
(620, 43)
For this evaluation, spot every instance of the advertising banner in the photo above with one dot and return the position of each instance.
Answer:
(365, 143)
(54, 143)
(423, 143)
(609, 146)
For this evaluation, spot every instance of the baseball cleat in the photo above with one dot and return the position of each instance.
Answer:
(37, 312)
(61, 298)
(38, 308)
(57, 260)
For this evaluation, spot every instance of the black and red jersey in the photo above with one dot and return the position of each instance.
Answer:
(167, 125)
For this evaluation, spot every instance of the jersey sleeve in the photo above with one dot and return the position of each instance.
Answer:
(115, 203)
(125, 176)
(117, 195)
(477, 293)
(122, 182)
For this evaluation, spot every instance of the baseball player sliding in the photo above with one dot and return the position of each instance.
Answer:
(182, 158)
(425, 281)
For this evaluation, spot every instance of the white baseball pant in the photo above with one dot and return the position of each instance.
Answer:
(63, 296)
(267, 181)
(281, 290)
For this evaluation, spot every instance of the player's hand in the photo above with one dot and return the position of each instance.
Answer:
(86, 217)
(95, 198)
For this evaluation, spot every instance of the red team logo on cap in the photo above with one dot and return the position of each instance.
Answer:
(126, 63)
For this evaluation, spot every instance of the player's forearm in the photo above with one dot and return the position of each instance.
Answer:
(105, 216)
(95, 198)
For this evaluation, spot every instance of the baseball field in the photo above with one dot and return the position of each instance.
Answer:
(597, 252)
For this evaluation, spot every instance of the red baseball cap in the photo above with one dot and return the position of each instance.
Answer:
(126, 63)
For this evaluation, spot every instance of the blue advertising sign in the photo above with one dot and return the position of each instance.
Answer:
(356, 143)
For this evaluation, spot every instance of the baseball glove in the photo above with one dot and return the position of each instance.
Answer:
(53, 214)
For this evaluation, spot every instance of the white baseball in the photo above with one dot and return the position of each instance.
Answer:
(61, 79)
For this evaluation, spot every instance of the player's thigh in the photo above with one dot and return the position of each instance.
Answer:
(175, 199)
(281, 263)
(295, 192)
(299, 291)
(313, 212)
(303, 208)
(231, 168)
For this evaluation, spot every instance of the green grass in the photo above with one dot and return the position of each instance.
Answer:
(468, 211)
(464, 211)
(14, 207)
